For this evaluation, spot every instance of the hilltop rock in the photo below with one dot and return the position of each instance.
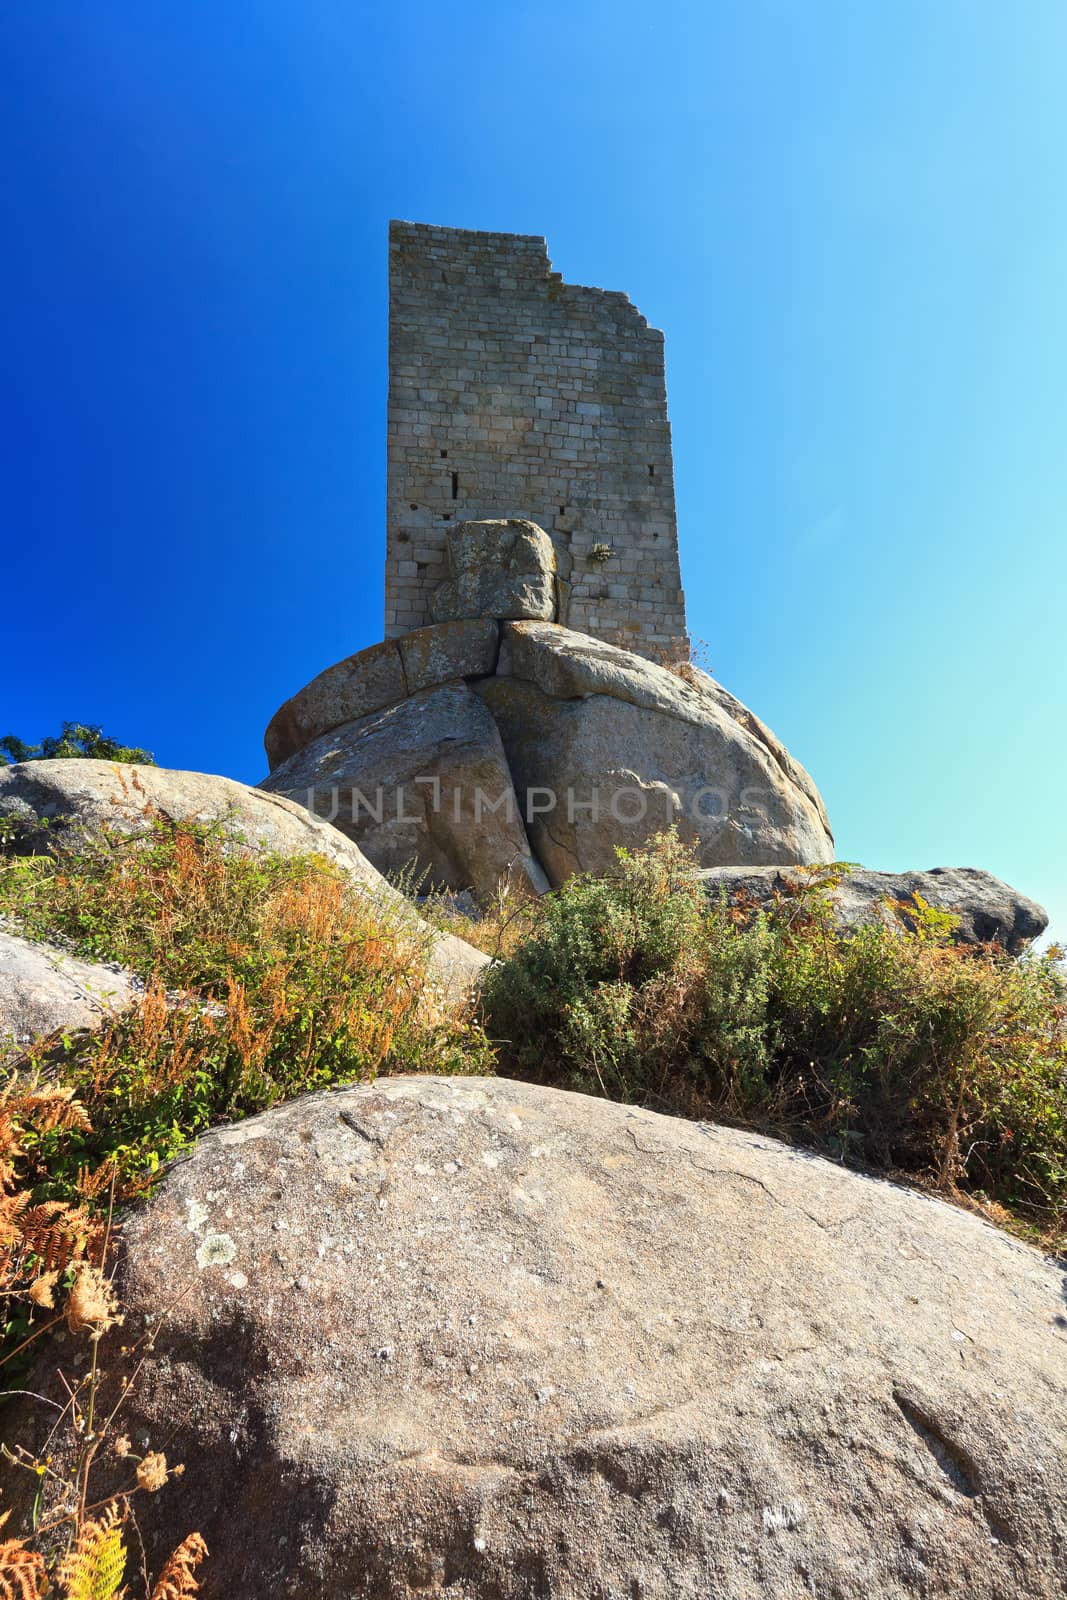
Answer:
(989, 910)
(66, 800)
(616, 748)
(44, 988)
(593, 747)
(487, 1340)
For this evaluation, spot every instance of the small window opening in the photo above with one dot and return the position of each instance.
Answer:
(447, 517)
(444, 455)
(414, 507)
(563, 511)
(455, 486)
(651, 470)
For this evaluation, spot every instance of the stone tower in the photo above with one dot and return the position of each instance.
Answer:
(513, 394)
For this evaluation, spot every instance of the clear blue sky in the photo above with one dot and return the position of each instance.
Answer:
(850, 220)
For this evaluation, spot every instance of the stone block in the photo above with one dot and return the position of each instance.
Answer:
(449, 650)
(503, 568)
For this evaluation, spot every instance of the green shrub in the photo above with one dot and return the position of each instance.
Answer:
(76, 739)
(896, 1050)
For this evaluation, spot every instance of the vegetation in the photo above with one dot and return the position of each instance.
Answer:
(58, 1251)
(496, 925)
(901, 1052)
(76, 739)
(263, 977)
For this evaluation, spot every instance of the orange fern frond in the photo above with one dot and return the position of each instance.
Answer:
(49, 1109)
(178, 1581)
(12, 1210)
(56, 1232)
(22, 1571)
(9, 1140)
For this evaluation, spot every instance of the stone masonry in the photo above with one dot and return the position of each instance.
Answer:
(513, 394)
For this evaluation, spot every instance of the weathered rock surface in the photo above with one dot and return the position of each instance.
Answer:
(447, 651)
(989, 909)
(78, 797)
(613, 748)
(499, 568)
(569, 665)
(423, 783)
(378, 677)
(479, 1339)
(44, 988)
(599, 748)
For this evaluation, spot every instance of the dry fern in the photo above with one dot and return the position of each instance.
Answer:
(177, 1581)
(22, 1571)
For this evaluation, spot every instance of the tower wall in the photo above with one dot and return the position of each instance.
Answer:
(514, 394)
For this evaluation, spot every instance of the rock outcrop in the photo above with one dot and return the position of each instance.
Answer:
(580, 747)
(72, 799)
(490, 1340)
(989, 911)
(625, 748)
(44, 988)
(423, 781)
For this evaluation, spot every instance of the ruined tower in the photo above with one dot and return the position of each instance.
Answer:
(513, 394)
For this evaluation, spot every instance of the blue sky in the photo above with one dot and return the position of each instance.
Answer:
(850, 220)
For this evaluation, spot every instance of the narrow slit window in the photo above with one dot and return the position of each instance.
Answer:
(563, 511)
(455, 486)
(444, 455)
(651, 470)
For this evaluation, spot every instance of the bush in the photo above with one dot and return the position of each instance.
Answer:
(77, 739)
(896, 1050)
(264, 977)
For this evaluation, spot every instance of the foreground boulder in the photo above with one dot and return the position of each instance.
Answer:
(44, 988)
(72, 800)
(579, 748)
(989, 911)
(480, 1339)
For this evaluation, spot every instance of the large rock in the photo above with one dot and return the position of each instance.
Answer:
(569, 665)
(989, 911)
(421, 786)
(479, 1339)
(44, 988)
(500, 568)
(68, 799)
(378, 677)
(606, 748)
(601, 747)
